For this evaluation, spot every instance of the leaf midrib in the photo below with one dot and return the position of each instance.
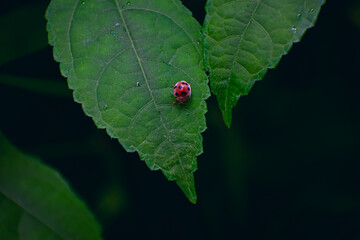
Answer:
(147, 84)
(31, 214)
(237, 52)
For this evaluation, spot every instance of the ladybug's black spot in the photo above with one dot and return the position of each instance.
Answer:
(175, 86)
(176, 94)
(183, 93)
(180, 87)
(188, 89)
(185, 83)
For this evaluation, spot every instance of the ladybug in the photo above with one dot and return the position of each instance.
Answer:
(182, 92)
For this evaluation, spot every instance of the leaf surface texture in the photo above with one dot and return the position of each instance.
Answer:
(36, 203)
(121, 59)
(243, 38)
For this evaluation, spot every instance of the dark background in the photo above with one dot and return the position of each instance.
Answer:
(288, 168)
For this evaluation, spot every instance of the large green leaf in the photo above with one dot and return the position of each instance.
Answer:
(36, 203)
(121, 58)
(244, 38)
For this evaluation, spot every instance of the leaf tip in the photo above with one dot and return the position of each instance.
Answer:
(188, 187)
(193, 200)
(227, 116)
(191, 195)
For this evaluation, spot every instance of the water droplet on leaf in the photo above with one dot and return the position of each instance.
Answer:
(82, 2)
(138, 84)
(171, 60)
(128, 3)
(112, 32)
(311, 10)
(117, 24)
(105, 107)
(293, 29)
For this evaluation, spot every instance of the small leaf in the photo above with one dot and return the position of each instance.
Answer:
(245, 38)
(36, 203)
(121, 59)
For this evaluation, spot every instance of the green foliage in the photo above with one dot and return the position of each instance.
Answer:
(245, 38)
(36, 203)
(291, 156)
(121, 59)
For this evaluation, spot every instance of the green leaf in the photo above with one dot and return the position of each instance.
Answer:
(121, 59)
(245, 38)
(36, 203)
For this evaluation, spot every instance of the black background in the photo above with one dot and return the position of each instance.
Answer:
(288, 168)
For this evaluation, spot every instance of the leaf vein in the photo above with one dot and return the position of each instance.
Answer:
(163, 14)
(237, 52)
(101, 74)
(146, 81)
(138, 112)
(264, 29)
(31, 214)
(224, 39)
(174, 66)
(226, 3)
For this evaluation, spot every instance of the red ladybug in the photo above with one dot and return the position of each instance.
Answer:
(182, 92)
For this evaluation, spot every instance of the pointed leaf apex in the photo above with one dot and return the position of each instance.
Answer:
(242, 41)
(227, 116)
(188, 187)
